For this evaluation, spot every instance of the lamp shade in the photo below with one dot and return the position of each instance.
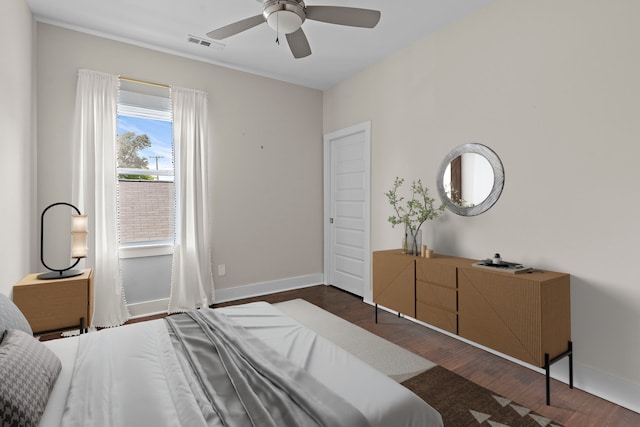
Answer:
(79, 224)
(79, 232)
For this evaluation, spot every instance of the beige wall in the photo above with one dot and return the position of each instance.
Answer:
(265, 140)
(553, 88)
(17, 152)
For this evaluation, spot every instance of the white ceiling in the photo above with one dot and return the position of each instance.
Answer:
(337, 51)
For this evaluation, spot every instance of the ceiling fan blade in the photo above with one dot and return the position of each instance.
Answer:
(236, 27)
(351, 16)
(299, 44)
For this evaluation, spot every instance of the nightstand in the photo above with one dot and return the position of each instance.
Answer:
(57, 304)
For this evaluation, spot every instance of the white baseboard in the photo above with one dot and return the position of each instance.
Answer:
(270, 287)
(149, 308)
(606, 386)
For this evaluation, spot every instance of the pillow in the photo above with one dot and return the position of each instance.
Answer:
(28, 371)
(11, 317)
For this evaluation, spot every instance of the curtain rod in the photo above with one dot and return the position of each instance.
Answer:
(142, 82)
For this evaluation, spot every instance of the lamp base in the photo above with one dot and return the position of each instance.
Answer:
(59, 274)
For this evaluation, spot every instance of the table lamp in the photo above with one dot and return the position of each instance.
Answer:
(79, 232)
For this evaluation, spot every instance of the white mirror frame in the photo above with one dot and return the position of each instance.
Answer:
(498, 179)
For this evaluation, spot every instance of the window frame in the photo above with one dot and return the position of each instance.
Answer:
(140, 105)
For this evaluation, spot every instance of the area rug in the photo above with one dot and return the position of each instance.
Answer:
(387, 357)
(463, 403)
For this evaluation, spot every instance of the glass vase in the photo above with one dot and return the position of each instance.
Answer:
(412, 242)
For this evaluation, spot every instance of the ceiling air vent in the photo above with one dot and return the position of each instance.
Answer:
(205, 43)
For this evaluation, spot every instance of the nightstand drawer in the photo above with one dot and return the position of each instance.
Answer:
(55, 304)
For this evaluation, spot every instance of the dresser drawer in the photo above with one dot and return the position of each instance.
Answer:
(437, 317)
(437, 296)
(432, 270)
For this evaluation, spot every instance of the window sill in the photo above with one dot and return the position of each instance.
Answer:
(140, 251)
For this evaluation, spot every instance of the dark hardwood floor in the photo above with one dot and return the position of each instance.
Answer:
(572, 408)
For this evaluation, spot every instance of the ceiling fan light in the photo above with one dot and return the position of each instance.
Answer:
(284, 21)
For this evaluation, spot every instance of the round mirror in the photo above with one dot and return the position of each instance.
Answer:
(470, 179)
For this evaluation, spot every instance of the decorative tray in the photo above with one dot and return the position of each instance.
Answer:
(507, 267)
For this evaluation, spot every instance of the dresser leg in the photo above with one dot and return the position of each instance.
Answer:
(547, 372)
(570, 364)
(547, 369)
(82, 325)
(376, 311)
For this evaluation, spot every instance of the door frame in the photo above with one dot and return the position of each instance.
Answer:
(364, 127)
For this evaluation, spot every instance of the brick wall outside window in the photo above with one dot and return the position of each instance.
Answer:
(146, 210)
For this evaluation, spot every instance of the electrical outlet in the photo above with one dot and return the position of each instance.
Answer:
(222, 269)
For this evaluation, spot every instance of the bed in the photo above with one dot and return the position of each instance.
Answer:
(162, 373)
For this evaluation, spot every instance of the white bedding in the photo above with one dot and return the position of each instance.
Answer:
(138, 352)
(66, 350)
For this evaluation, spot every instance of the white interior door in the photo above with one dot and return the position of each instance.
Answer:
(347, 262)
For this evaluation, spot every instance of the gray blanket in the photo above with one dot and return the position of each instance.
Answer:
(240, 381)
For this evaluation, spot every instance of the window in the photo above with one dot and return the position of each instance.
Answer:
(146, 179)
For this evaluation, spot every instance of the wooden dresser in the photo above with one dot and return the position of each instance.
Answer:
(526, 316)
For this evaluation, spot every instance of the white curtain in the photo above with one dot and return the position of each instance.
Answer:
(191, 276)
(94, 189)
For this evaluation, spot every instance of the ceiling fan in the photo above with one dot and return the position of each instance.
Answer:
(287, 16)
